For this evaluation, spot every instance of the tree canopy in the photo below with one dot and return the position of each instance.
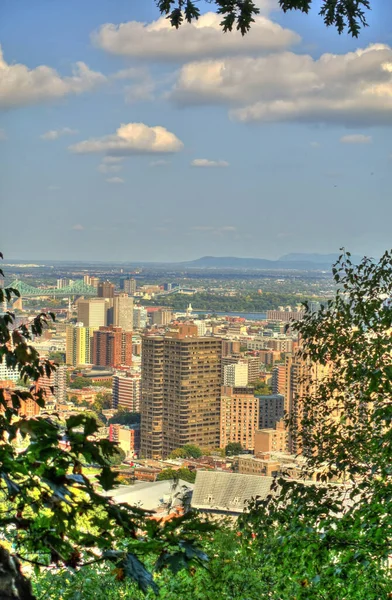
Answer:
(240, 14)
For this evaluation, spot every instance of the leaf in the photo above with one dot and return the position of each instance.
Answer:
(107, 478)
(135, 569)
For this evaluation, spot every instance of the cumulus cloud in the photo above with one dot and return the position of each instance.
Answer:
(115, 180)
(105, 168)
(356, 138)
(205, 162)
(54, 134)
(21, 86)
(132, 138)
(347, 89)
(77, 227)
(202, 38)
(160, 163)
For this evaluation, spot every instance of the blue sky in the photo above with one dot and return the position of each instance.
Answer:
(169, 145)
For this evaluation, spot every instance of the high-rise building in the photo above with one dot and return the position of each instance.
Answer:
(105, 289)
(230, 347)
(161, 317)
(94, 282)
(271, 410)
(112, 347)
(8, 374)
(64, 282)
(123, 312)
(129, 286)
(139, 317)
(236, 374)
(239, 417)
(271, 440)
(92, 312)
(78, 345)
(55, 385)
(181, 383)
(254, 364)
(127, 391)
(279, 379)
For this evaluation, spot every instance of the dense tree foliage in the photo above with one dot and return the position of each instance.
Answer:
(239, 14)
(241, 302)
(124, 417)
(233, 448)
(184, 473)
(187, 451)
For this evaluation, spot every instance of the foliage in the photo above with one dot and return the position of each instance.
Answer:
(246, 302)
(233, 448)
(239, 14)
(102, 401)
(340, 528)
(79, 383)
(262, 388)
(124, 417)
(57, 357)
(184, 473)
(187, 451)
(117, 457)
(51, 514)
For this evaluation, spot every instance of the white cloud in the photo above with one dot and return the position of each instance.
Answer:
(357, 138)
(104, 168)
(159, 163)
(112, 159)
(78, 227)
(3, 135)
(115, 180)
(132, 138)
(202, 38)
(21, 86)
(54, 134)
(349, 89)
(205, 162)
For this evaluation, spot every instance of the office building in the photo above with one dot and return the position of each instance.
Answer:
(230, 347)
(64, 282)
(123, 312)
(139, 317)
(78, 345)
(55, 386)
(105, 289)
(162, 316)
(129, 286)
(127, 437)
(254, 364)
(239, 417)
(92, 312)
(112, 347)
(279, 379)
(8, 374)
(127, 391)
(284, 315)
(271, 440)
(271, 410)
(236, 374)
(181, 382)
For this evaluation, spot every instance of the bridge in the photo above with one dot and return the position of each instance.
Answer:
(78, 288)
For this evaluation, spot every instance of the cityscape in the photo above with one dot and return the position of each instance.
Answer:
(195, 300)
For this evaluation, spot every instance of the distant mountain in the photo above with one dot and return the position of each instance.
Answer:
(233, 262)
(315, 258)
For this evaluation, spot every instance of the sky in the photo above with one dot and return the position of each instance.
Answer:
(122, 139)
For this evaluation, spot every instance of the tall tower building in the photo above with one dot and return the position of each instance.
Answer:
(139, 317)
(78, 345)
(181, 384)
(112, 347)
(129, 286)
(92, 312)
(127, 391)
(239, 417)
(55, 385)
(105, 289)
(123, 312)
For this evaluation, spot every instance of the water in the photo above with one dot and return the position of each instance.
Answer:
(259, 316)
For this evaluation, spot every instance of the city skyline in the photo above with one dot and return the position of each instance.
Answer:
(113, 135)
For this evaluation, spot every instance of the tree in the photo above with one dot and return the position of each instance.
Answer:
(124, 417)
(239, 14)
(183, 473)
(262, 388)
(192, 451)
(51, 514)
(340, 527)
(79, 383)
(102, 401)
(233, 448)
(117, 457)
(57, 357)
